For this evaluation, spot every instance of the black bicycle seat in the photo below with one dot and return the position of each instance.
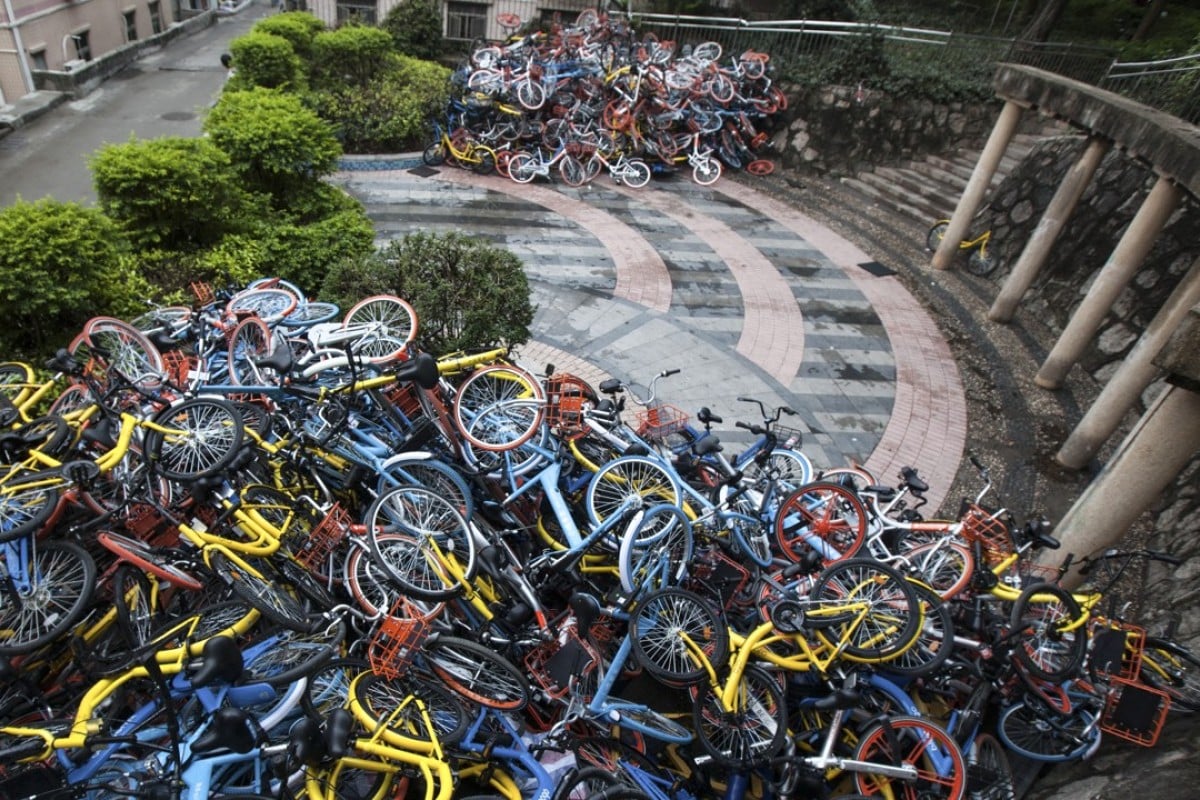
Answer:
(230, 729)
(221, 662)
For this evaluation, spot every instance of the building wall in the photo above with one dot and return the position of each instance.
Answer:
(527, 10)
(46, 26)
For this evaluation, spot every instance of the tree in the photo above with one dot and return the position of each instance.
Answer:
(276, 145)
(60, 264)
(298, 27)
(351, 55)
(1044, 19)
(264, 59)
(1154, 10)
(416, 28)
(468, 295)
(172, 193)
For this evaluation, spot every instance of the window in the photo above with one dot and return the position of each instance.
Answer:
(83, 46)
(466, 20)
(356, 11)
(155, 18)
(130, 26)
(39, 59)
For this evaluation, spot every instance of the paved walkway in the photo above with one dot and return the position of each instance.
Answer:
(742, 294)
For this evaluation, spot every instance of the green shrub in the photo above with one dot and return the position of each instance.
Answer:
(267, 60)
(468, 295)
(298, 27)
(60, 264)
(276, 144)
(351, 55)
(416, 28)
(172, 193)
(391, 114)
(303, 253)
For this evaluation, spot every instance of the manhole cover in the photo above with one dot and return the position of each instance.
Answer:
(178, 116)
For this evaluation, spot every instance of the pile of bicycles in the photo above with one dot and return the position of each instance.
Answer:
(258, 547)
(592, 97)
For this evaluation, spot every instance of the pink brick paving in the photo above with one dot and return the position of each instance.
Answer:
(928, 424)
(772, 326)
(642, 276)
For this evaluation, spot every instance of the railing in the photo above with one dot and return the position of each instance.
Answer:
(803, 40)
(1171, 85)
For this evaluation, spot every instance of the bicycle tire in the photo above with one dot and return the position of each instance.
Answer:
(26, 506)
(660, 539)
(892, 621)
(530, 94)
(394, 322)
(1171, 667)
(369, 584)
(821, 516)
(650, 723)
(981, 263)
(310, 313)
(935, 638)
(60, 585)
(379, 699)
(522, 168)
(707, 171)
(656, 627)
(946, 566)
(638, 477)
(791, 468)
(205, 435)
(435, 528)
(50, 435)
(293, 655)
(16, 379)
(133, 601)
(421, 469)
(434, 155)
(1043, 648)
(753, 732)
(989, 773)
(904, 740)
(499, 407)
(933, 239)
(477, 673)
(328, 687)
(115, 344)
(1036, 731)
(572, 171)
(266, 596)
(482, 160)
(270, 303)
(250, 341)
(636, 174)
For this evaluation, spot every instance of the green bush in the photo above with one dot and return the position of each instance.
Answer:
(391, 114)
(267, 60)
(416, 28)
(303, 254)
(172, 193)
(276, 144)
(60, 264)
(468, 295)
(298, 27)
(351, 55)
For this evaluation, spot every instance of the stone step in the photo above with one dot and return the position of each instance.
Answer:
(888, 203)
(938, 174)
(911, 190)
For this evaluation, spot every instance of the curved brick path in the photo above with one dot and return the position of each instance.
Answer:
(741, 293)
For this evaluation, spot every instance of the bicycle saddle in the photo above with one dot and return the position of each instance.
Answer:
(709, 444)
(280, 360)
(221, 661)
(338, 731)
(913, 480)
(306, 742)
(230, 729)
(64, 362)
(587, 609)
(421, 370)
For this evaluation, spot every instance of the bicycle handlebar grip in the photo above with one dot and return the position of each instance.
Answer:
(978, 464)
(1166, 558)
(667, 372)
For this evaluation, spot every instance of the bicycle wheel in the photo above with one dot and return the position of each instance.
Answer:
(935, 639)
(391, 702)
(47, 588)
(271, 599)
(26, 506)
(658, 627)
(946, 566)
(310, 313)
(16, 378)
(1044, 648)
(866, 610)
(328, 687)
(250, 341)
(1034, 730)
(287, 656)
(636, 174)
(200, 437)
(499, 407)
(648, 722)
(113, 344)
(572, 171)
(522, 168)
(149, 559)
(656, 550)
(933, 239)
(941, 770)
(389, 325)
(791, 468)
(135, 601)
(825, 517)
(637, 478)
(981, 262)
(367, 582)
(1170, 666)
(420, 469)
(482, 160)
(477, 673)
(750, 733)
(434, 155)
(989, 775)
(271, 304)
(438, 550)
(706, 171)
(531, 94)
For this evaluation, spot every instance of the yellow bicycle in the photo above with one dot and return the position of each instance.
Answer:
(980, 262)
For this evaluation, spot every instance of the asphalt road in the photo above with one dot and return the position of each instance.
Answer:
(163, 94)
